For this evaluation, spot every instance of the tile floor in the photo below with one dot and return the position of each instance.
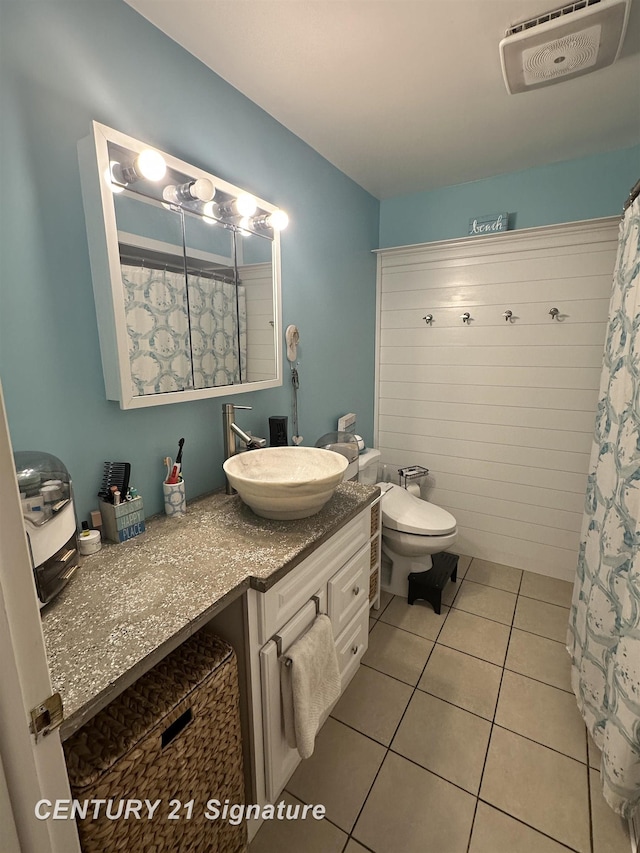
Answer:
(458, 734)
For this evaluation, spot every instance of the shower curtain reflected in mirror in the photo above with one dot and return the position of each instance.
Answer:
(218, 325)
(183, 338)
(604, 625)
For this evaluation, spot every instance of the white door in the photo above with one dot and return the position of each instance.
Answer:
(33, 771)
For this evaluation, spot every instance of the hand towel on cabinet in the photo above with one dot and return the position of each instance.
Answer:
(310, 684)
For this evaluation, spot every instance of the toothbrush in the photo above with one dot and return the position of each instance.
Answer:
(173, 477)
(167, 462)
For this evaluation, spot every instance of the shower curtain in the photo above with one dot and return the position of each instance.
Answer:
(177, 343)
(604, 624)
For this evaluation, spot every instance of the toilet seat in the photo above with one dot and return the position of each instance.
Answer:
(407, 513)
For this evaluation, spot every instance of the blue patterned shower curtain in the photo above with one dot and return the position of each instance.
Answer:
(177, 344)
(604, 624)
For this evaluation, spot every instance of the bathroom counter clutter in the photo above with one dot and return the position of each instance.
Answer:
(129, 605)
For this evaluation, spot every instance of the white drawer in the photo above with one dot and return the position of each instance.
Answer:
(352, 644)
(349, 589)
(278, 605)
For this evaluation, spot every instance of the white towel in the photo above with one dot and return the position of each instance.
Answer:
(310, 684)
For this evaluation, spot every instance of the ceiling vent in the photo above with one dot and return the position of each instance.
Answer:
(570, 41)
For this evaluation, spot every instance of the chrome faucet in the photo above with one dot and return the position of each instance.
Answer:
(230, 431)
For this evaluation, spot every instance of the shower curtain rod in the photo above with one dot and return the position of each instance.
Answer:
(134, 256)
(633, 195)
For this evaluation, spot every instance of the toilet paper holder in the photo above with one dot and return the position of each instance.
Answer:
(411, 472)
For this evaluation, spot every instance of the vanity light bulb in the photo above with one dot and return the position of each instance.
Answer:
(244, 225)
(200, 190)
(203, 190)
(170, 194)
(110, 177)
(278, 220)
(151, 165)
(246, 204)
(209, 212)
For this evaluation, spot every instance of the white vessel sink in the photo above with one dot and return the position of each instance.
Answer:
(286, 482)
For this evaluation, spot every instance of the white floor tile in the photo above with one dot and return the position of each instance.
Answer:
(468, 682)
(494, 574)
(308, 834)
(410, 810)
(444, 739)
(543, 713)
(496, 832)
(396, 652)
(339, 773)
(538, 786)
(486, 601)
(373, 704)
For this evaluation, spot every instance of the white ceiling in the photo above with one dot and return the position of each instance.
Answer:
(406, 95)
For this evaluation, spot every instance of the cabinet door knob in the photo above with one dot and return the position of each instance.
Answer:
(354, 650)
(356, 590)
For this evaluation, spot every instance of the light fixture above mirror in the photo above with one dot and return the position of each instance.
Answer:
(188, 306)
(147, 175)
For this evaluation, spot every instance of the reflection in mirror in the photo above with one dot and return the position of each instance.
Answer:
(255, 273)
(186, 275)
(217, 305)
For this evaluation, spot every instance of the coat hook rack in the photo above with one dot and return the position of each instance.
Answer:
(554, 313)
(508, 314)
(466, 317)
(428, 319)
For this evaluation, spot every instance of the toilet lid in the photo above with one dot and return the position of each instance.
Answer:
(408, 514)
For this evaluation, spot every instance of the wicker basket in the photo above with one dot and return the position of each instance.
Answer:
(173, 735)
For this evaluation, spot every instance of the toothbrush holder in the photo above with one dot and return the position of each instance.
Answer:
(175, 501)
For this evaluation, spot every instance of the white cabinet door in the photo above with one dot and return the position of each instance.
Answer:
(279, 759)
(352, 644)
(349, 589)
(284, 599)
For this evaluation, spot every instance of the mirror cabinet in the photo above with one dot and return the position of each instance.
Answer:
(186, 275)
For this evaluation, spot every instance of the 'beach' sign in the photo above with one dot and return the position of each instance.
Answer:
(490, 223)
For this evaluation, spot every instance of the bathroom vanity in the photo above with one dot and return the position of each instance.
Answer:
(340, 578)
(258, 583)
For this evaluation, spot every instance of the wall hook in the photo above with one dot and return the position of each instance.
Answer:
(508, 315)
(466, 317)
(428, 319)
(554, 313)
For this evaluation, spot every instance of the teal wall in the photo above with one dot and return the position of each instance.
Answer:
(587, 188)
(64, 63)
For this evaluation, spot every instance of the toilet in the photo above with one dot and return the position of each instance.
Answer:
(412, 529)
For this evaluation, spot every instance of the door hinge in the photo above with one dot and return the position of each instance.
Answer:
(47, 716)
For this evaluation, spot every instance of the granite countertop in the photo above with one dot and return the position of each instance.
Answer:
(129, 605)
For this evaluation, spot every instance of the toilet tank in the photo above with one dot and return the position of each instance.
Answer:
(368, 466)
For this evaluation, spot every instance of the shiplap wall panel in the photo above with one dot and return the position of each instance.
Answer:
(555, 334)
(519, 436)
(541, 398)
(501, 375)
(258, 282)
(498, 472)
(455, 272)
(584, 287)
(527, 496)
(485, 414)
(501, 413)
